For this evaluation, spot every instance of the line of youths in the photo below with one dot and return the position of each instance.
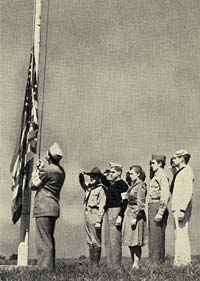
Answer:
(120, 207)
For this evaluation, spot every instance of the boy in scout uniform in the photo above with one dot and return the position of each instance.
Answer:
(47, 180)
(94, 204)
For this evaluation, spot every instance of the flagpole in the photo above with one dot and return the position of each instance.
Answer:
(23, 249)
(42, 88)
(36, 40)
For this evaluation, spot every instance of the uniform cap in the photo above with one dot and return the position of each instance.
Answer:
(113, 165)
(159, 157)
(180, 153)
(55, 150)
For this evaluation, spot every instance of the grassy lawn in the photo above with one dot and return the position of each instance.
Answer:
(77, 269)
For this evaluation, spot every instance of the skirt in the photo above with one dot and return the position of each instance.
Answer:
(136, 236)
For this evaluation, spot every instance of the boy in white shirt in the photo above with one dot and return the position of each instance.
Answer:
(182, 190)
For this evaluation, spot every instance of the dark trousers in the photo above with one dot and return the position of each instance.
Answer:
(45, 242)
(156, 233)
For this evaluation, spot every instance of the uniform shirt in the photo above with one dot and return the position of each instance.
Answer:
(159, 190)
(115, 195)
(95, 198)
(183, 189)
(136, 196)
(48, 194)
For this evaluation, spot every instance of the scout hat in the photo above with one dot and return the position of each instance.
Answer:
(55, 151)
(159, 158)
(94, 172)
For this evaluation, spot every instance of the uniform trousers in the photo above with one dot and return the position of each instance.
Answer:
(113, 237)
(45, 242)
(156, 233)
(93, 234)
(182, 242)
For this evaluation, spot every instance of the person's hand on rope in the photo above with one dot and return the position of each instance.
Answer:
(35, 180)
(39, 164)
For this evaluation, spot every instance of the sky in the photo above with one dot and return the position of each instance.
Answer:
(122, 83)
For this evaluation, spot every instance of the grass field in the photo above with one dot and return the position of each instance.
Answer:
(76, 269)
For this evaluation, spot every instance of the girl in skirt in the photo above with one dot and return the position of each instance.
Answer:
(134, 225)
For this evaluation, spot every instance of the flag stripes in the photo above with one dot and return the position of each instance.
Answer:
(22, 162)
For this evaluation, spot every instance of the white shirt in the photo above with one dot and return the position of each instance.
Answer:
(183, 189)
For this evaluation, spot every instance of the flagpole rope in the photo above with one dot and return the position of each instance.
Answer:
(44, 80)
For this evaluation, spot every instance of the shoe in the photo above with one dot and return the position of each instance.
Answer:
(135, 267)
(97, 256)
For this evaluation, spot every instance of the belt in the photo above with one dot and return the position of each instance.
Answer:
(132, 204)
(153, 201)
(91, 207)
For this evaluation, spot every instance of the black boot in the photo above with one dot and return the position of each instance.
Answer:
(97, 257)
(91, 257)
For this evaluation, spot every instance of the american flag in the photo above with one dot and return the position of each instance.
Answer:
(22, 162)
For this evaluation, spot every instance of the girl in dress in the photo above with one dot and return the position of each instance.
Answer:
(134, 225)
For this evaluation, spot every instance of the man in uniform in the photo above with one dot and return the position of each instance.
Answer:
(182, 191)
(157, 208)
(47, 180)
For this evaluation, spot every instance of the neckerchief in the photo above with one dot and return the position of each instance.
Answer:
(91, 187)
